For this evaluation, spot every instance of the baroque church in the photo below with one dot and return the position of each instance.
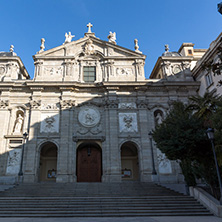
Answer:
(87, 114)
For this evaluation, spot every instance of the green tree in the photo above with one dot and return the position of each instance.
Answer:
(204, 106)
(180, 137)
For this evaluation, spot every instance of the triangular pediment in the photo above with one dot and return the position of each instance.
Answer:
(88, 46)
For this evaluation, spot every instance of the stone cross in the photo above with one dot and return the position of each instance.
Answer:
(167, 48)
(89, 27)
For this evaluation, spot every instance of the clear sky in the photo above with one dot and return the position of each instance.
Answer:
(153, 22)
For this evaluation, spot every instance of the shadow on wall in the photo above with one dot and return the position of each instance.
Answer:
(68, 142)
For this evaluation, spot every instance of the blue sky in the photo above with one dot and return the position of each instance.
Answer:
(153, 23)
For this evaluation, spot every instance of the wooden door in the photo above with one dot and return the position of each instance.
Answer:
(89, 164)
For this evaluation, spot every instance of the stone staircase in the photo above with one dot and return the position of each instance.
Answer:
(96, 200)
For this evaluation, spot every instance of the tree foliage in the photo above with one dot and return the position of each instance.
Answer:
(182, 137)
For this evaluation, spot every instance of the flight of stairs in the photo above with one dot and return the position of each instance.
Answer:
(96, 200)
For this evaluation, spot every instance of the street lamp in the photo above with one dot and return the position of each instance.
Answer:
(210, 134)
(23, 146)
(151, 143)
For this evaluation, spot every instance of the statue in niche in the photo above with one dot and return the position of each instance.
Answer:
(68, 37)
(18, 124)
(112, 37)
(158, 118)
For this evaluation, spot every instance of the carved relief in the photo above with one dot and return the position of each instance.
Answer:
(53, 70)
(123, 71)
(166, 66)
(67, 104)
(89, 47)
(128, 122)
(13, 164)
(139, 66)
(94, 130)
(49, 123)
(142, 104)
(50, 106)
(35, 104)
(89, 116)
(4, 104)
(2, 70)
(111, 104)
(164, 165)
(186, 65)
(176, 69)
(127, 105)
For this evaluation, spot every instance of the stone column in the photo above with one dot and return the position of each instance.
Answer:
(4, 120)
(145, 151)
(31, 160)
(112, 143)
(66, 152)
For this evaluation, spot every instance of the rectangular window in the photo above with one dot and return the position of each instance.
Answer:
(209, 79)
(190, 52)
(89, 73)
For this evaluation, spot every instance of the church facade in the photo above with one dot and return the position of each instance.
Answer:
(87, 113)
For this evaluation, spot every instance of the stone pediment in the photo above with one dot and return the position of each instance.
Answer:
(88, 46)
(68, 61)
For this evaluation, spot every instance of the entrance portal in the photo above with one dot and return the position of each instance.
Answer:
(129, 162)
(48, 162)
(89, 163)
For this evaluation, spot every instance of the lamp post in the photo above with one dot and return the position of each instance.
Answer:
(210, 134)
(23, 146)
(150, 134)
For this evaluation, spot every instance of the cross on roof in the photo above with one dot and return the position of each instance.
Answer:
(89, 27)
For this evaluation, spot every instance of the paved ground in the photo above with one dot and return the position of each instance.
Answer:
(116, 219)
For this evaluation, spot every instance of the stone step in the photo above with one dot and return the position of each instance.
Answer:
(115, 214)
(96, 200)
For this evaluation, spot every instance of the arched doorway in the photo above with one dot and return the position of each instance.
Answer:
(129, 161)
(89, 163)
(48, 162)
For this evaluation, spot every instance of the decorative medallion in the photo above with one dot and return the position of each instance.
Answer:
(89, 116)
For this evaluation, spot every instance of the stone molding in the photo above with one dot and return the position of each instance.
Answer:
(67, 104)
(35, 104)
(4, 104)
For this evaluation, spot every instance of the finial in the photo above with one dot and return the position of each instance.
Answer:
(68, 37)
(112, 37)
(89, 25)
(167, 48)
(136, 46)
(11, 48)
(42, 47)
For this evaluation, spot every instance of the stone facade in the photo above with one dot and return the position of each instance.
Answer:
(210, 79)
(70, 119)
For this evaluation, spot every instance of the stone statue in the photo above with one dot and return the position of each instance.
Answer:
(112, 37)
(136, 46)
(42, 47)
(18, 124)
(68, 37)
(159, 119)
(11, 48)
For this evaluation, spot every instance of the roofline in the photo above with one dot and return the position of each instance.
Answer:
(169, 58)
(21, 64)
(41, 55)
(209, 52)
